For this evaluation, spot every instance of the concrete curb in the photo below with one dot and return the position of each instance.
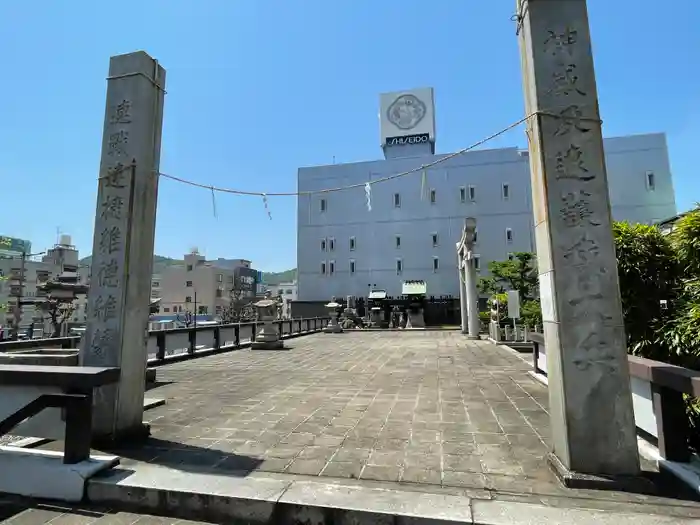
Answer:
(281, 500)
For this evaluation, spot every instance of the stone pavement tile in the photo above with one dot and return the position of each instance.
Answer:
(316, 452)
(387, 459)
(421, 475)
(351, 454)
(381, 473)
(343, 469)
(391, 444)
(424, 461)
(461, 463)
(310, 467)
(459, 448)
(454, 478)
(328, 441)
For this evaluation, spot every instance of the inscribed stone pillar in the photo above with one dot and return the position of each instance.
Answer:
(122, 253)
(593, 426)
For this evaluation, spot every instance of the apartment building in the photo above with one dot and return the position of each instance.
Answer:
(409, 229)
(203, 287)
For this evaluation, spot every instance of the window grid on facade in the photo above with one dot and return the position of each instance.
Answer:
(433, 196)
(511, 256)
(220, 278)
(476, 236)
(188, 299)
(331, 244)
(472, 193)
(435, 239)
(323, 204)
(477, 262)
(323, 245)
(436, 264)
(397, 241)
(505, 191)
(509, 235)
(331, 267)
(463, 194)
(397, 200)
(352, 266)
(650, 182)
(399, 266)
(188, 284)
(353, 243)
(323, 267)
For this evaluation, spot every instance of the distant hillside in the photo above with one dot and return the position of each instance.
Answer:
(160, 263)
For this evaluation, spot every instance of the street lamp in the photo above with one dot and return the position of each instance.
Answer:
(465, 254)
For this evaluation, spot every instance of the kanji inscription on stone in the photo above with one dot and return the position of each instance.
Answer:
(565, 81)
(570, 119)
(117, 143)
(570, 165)
(111, 207)
(577, 210)
(559, 42)
(105, 308)
(103, 341)
(582, 251)
(115, 176)
(121, 113)
(108, 274)
(110, 240)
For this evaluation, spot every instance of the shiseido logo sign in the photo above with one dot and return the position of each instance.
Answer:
(422, 138)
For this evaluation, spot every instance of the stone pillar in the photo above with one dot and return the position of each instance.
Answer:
(122, 253)
(462, 299)
(472, 296)
(593, 426)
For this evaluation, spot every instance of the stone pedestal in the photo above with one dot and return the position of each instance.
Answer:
(268, 338)
(593, 427)
(122, 254)
(375, 317)
(333, 327)
(415, 319)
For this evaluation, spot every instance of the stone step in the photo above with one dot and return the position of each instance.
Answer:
(281, 499)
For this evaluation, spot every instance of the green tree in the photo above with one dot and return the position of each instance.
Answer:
(518, 273)
(649, 273)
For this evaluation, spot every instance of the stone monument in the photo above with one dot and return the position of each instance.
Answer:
(268, 338)
(333, 327)
(122, 253)
(593, 427)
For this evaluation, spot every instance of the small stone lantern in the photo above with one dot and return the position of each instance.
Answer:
(333, 326)
(268, 338)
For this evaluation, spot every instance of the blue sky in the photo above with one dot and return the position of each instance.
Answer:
(258, 88)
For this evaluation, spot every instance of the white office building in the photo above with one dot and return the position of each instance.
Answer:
(415, 220)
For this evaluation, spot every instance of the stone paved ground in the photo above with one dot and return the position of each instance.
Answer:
(421, 407)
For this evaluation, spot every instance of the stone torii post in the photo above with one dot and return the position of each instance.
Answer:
(592, 420)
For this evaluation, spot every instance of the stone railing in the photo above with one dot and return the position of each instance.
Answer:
(507, 333)
(165, 344)
(657, 396)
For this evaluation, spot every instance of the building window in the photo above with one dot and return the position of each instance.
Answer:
(433, 196)
(189, 267)
(230, 279)
(476, 236)
(323, 205)
(331, 244)
(166, 310)
(397, 200)
(477, 262)
(505, 191)
(188, 299)
(352, 243)
(352, 266)
(399, 266)
(323, 245)
(188, 284)
(203, 310)
(509, 235)
(651, 183)
(463, 194)
(155, 284)
(331, 267)
(219, 292)
(323, 267)
(220, 278)
(472, 193)
(218, 309)
(398, 241)
(511, 256)
(436, 264)
(435, 239)
(288, 292)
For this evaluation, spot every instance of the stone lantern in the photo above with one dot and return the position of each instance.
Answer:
(268, 338)
(333, 326)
